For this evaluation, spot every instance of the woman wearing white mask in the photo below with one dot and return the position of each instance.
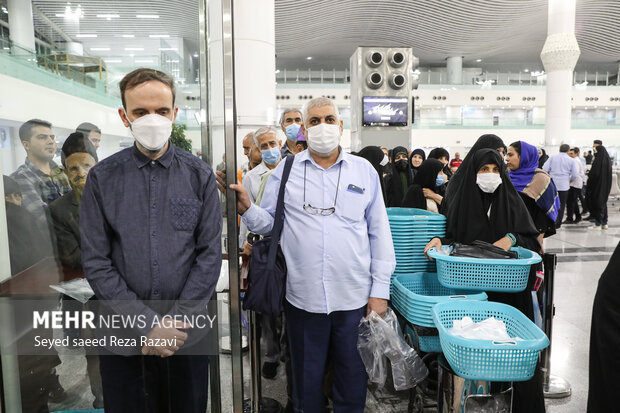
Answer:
(487, 207)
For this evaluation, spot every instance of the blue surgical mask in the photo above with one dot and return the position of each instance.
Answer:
(271, 156)
(291, 131)
(440, 180)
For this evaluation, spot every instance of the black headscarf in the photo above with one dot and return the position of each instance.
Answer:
(543, 158)
(442, 153)
(467, 219)
(424, 178)
(77, 143)
(398, 181)
(10, 186)
(599, 181)
(374, 155)
(489, 141)
(439, 153)
(420, 152)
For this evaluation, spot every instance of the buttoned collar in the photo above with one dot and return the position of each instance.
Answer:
(141, 159)
(54, 168)
(306, 156)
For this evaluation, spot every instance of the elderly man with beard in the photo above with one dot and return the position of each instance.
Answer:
(78, 156)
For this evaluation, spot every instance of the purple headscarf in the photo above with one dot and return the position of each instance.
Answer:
(528, 164)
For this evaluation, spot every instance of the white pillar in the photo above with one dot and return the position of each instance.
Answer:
(21, 26)
(454, 65)
(559, 56)
(255, 63)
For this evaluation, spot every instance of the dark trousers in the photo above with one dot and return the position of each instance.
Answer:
(600, 216)
(582, 199)
(150, 384)
(563, 198)
(572, 204)
(270, 334)
(312, 338)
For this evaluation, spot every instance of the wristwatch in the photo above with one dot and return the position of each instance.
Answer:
(252, 238)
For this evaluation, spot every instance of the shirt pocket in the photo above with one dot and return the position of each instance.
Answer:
(184, 213)
(353, 206)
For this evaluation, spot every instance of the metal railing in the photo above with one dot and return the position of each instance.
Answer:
(87, 70)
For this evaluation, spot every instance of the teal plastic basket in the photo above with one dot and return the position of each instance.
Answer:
(512, 360)
(506, 275)
(398, 214)
(427, 344)
(414, 296)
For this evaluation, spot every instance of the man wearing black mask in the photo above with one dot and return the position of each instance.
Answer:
(401, 177)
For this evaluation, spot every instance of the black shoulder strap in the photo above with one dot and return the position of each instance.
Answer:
(278, 220)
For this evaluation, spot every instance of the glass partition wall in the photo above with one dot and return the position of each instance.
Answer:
(70, 81)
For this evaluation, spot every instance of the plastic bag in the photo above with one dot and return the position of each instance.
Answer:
(380, 339)
(78, 289)
(489, 329)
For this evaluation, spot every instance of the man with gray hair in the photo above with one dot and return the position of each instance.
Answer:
(290, 122)
(339, 255)
(266, 141)
(563, 170)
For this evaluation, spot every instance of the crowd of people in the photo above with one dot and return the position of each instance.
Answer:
(114, 220)
(507, 195)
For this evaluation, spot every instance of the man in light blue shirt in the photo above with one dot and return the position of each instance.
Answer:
(339, 254)
(563, 170)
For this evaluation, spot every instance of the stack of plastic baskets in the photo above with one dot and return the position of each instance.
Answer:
(414, 296)
(411, 230)
(492, 360)
(481, 274)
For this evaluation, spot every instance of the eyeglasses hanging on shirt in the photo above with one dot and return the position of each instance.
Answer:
(321, 211)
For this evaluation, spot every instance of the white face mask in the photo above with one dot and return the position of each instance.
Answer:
(384, 161)
(488, 182)
(151, 131)
(324, 138)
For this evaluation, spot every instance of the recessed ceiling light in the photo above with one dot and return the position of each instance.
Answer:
(137, 49)
(100, 49)
(478, 60)
(164, 49)
(108, 16)
(309, 58)
(147, 16)
(128, 35)
(143, 61)
(158, 35)
(195, 54)
(112, 60)
(526, 70)
(85, 35)
(6, 48)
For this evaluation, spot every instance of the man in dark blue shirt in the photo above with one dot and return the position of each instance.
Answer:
(150, 224)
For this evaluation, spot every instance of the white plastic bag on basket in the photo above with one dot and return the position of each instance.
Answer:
(381, 339)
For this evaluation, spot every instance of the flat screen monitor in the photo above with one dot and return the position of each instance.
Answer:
(385, 111)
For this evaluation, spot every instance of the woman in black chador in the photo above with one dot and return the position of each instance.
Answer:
(599, 186)
(487, 207)
(605, 341)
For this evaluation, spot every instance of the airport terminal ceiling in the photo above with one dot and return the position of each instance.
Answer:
(500, 33)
